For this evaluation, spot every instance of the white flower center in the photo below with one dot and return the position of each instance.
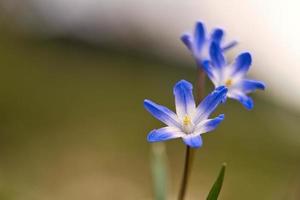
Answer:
(187, 124)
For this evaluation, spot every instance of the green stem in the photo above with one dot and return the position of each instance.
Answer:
(189, 155)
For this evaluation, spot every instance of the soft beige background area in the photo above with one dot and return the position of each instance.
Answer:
(268, 28)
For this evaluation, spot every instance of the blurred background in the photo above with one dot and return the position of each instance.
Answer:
(73, 76)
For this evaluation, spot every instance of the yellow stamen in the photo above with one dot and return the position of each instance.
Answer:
(228, 83)
(186, 120)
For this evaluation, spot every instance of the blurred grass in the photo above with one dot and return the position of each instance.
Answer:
(72, 126)
(159, 170)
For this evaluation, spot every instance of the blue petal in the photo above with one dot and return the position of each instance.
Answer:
(242, 63)
(199, 35)
(186, 39)
(216, 55)
(217, 35)
(194, 141)
(206, 66)
(229, 46)
(251, 85)
(161, 113)
(244, 99)
(164, 134)
(209, 124)
(184, 99)
(209, 104)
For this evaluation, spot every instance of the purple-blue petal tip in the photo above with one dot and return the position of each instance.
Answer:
(261, 86)
(186, 39)
(230, 45)
(245, 58)
(193, 141)
(221, 117)
(217, 35)
(199, 23)
(147, 102)
(221, 89)
(183, 84)
(248, 103)
(154, 137)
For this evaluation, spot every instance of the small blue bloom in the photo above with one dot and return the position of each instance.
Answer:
(190, 121)
(233, 75)
(199, 43)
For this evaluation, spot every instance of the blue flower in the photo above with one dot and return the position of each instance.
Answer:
(233, 75)
(199, 43)
(190, 121)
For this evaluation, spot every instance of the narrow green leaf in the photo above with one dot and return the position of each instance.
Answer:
(159, 170)
(216, 188)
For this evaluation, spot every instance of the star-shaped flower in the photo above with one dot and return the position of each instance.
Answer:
(232, 75)
(190, 121)
(199, 42)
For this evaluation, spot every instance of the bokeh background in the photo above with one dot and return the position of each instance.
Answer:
(73, 76)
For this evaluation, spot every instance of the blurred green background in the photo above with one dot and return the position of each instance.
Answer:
(73, 126)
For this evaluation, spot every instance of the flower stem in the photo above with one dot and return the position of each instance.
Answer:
(189, 154)
(200, 85)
